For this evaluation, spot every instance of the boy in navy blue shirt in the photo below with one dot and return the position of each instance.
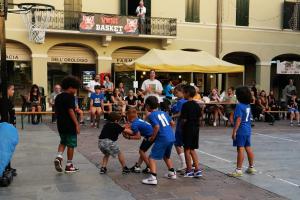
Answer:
(140, 128)
(96, 104)
(163, 137)
(176, 109)
(241, 134)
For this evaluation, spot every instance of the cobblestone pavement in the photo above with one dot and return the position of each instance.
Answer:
(214, 184)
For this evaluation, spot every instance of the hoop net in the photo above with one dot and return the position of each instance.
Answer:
(37, 19)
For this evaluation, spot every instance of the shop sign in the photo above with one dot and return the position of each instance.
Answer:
(123, 60)
(288, 67)
(109, 24)
(70, 60)
(15, 57)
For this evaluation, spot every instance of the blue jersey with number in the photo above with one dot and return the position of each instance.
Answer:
(178, 105)
(244, 112)
(145, 128)
(97, 98)
(165, 132)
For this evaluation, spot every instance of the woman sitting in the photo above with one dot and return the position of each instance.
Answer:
(216, 109)
(131, 100)
(264, 108)
(231, 100)
(117, 102)
(34, 98)
(273, 104)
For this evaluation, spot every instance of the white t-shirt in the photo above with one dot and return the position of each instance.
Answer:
(155, 85)
(91, 85)
(141, 11)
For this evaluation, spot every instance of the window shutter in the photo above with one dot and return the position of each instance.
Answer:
(242, 12)
(123, 10)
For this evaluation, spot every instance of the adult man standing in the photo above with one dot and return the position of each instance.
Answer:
(56, 91)
(152, 86)
(288, 90)
(141, 12)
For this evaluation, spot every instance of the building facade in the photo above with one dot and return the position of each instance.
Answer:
(253, 33)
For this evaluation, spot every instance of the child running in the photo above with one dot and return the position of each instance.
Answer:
(96, 104)
(108, 142)
(67, 124)
(140, 128)
(241, 134)
(190, 122)
(176, 109)
(163, 137)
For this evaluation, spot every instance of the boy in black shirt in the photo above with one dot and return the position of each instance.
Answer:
(67, 124)
(108, 142)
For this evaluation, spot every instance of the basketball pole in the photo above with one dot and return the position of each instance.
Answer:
(4, 74)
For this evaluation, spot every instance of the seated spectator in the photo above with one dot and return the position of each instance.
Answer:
(117, 102)
(34, 98)
(122, 89)
(229, 109)
(264, 107)
(216, 109)
(78, 111)
(140, 99)
(96, 105)
(293, 108)
(131, 100)
(168, 90)
(273, 104)
(197, 96)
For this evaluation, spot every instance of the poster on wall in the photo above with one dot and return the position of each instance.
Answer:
(87, 76)
(112, 24)
(287, 67)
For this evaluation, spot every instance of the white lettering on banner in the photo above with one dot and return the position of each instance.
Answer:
(69, 60)
(109, 28)
(288, 67)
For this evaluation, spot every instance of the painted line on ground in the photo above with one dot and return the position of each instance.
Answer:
(214, 156)
(279, 138)
(283, 180)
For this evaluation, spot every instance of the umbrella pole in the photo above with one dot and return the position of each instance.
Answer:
(192, 77)
(134, 80)
(243, 78)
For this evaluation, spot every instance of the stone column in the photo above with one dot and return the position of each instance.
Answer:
(104, 64)
(263, 76)
(40, 71)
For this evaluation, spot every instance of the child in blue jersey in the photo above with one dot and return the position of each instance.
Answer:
(163, 137)
(140, 128)
(241, 134)
(176, 109)
(96, 104)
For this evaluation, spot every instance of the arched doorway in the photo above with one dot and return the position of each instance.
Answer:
(70, 59)
(249, 60)
(126, 55)
(19, 65)
(279, 81)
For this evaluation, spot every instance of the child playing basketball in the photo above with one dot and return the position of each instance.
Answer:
(241, 134)
(190, 122)
(140, 128)
(108, 142)
(163, 138)
(96, 104)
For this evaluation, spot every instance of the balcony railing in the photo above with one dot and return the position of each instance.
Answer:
(156, 26)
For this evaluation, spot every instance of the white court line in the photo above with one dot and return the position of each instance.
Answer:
(279, 138)
(259, 172)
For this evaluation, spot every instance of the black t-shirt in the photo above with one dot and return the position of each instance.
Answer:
(131, 101)
(7, 111)
(190, 112)
(111, 130)
(293, 104)
(64, 102)
(140, 98)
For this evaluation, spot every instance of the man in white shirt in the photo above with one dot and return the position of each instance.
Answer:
(152, 86)
(91, 85)
(141, 12)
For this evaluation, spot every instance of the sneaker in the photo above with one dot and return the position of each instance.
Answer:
(136, 169)
(182, 168)
(198, 174)
(103, 170)
(125, 170)
(188, 174)
(251, 170)
(171, 175)
(146, 170)
(236, 173)
(224, 118)
(215, 124)
(151, 180)
(58, 164)
(291, 124)
(71, 168)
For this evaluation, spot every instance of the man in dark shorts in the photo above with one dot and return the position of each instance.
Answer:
(67, 124)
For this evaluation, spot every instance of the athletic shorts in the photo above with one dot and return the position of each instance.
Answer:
(145, 145)
(161, 150)
(109, 147)
(242, 141)
(294, 110)
(178, 139)
(69, 140)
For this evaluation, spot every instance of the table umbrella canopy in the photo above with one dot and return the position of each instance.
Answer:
(180, 61)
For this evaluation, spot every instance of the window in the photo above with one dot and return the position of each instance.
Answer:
(242, 12)
(128, 7)
(291, 16)
(72, 9)
(10, 2)
(192, 10)
(73, 5)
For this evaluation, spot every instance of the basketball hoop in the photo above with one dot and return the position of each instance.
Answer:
(36, 17)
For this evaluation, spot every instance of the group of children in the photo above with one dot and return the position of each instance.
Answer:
(157, 132)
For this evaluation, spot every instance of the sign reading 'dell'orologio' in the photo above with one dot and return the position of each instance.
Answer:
(112, 24)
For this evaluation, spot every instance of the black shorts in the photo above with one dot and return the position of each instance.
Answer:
(145, 145)
(190, 137)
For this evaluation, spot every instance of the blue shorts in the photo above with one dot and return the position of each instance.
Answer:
(242, 141)
(178, 139)
(294, 110)
(161, 150)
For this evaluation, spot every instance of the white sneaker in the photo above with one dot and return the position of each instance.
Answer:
(224, 118)
(151, 180)
(183, 167)
(171, 175)
(215, 124)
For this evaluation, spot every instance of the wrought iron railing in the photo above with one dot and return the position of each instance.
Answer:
(69, 20)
